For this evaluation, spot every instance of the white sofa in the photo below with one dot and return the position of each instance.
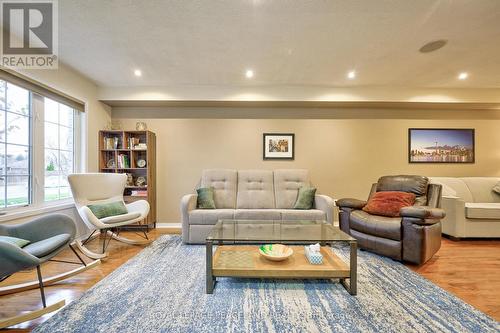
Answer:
(250, 195)
(472, 207)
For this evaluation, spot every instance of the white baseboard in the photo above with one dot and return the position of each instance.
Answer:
(169, 225)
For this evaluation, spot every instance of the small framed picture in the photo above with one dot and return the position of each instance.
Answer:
(279, 146)
(441, 145)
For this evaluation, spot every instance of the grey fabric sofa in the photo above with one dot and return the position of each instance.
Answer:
(250, 195)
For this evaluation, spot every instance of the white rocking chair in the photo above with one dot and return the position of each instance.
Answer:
(99, 188)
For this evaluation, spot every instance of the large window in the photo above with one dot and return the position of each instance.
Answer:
(59, 149)
(15, 142)
(37, 147)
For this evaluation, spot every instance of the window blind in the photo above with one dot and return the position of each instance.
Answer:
(41, 89)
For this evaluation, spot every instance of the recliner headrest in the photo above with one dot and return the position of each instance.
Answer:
(404, 183)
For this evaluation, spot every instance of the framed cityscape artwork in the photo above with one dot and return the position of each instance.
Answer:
(441, 145)
(279, 146)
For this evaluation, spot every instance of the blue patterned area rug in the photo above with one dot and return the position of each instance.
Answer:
(162, 289)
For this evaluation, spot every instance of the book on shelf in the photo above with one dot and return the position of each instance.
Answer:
(139, 193)
(123, 161)
(111, 142)
(134, 143)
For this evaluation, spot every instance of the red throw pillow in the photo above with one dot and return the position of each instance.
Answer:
(388, 203)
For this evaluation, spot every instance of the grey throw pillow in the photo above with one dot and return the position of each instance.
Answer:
(496, 188)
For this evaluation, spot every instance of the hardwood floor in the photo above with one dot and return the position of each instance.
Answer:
(468, 269)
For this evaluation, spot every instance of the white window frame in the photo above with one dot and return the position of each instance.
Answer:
(37, 128)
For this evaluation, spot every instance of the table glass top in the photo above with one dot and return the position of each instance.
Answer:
(276, 231)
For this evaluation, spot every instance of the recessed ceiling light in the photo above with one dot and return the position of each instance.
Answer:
(351, 75)
(137, 72)
(433, 46)
(249, 73)
(463, 76)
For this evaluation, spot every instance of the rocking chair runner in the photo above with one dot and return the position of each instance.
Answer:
(101, 188)
(48, 236)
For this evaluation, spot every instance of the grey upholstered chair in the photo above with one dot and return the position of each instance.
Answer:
(48, 236)
(414, 237)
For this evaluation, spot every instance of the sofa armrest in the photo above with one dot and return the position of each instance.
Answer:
(188, 203)
(422, 212)
(326, 204)
(351, 203)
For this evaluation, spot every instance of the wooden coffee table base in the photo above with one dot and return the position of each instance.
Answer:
(244, 261)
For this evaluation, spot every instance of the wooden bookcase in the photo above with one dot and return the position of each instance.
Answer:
(117, 146)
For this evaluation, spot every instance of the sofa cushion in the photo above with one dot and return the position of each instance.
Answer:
(209, 216)
(257, 214)
(120, 218)
(224, 182)
(406, 183)
(380, 226)
(389, 203)
(457, 186)
(481, 188)
(487, 210)
(447, 191)
(286, 186)
(403, 183)
(255, 189)
(47, 246)
(310, 214)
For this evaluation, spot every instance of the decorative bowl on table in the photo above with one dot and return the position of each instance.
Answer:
(275, 252)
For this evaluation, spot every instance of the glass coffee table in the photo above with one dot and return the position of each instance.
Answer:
(237, 255)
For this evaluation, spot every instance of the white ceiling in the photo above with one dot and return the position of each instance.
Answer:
(286, 42)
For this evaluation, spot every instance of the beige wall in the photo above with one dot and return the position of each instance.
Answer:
(344, 156)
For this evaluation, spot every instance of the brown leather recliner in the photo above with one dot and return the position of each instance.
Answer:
(414, 237)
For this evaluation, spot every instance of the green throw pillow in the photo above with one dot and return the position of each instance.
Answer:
(108, 209)
(305, 199)
(16, 241)
(206, 198)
